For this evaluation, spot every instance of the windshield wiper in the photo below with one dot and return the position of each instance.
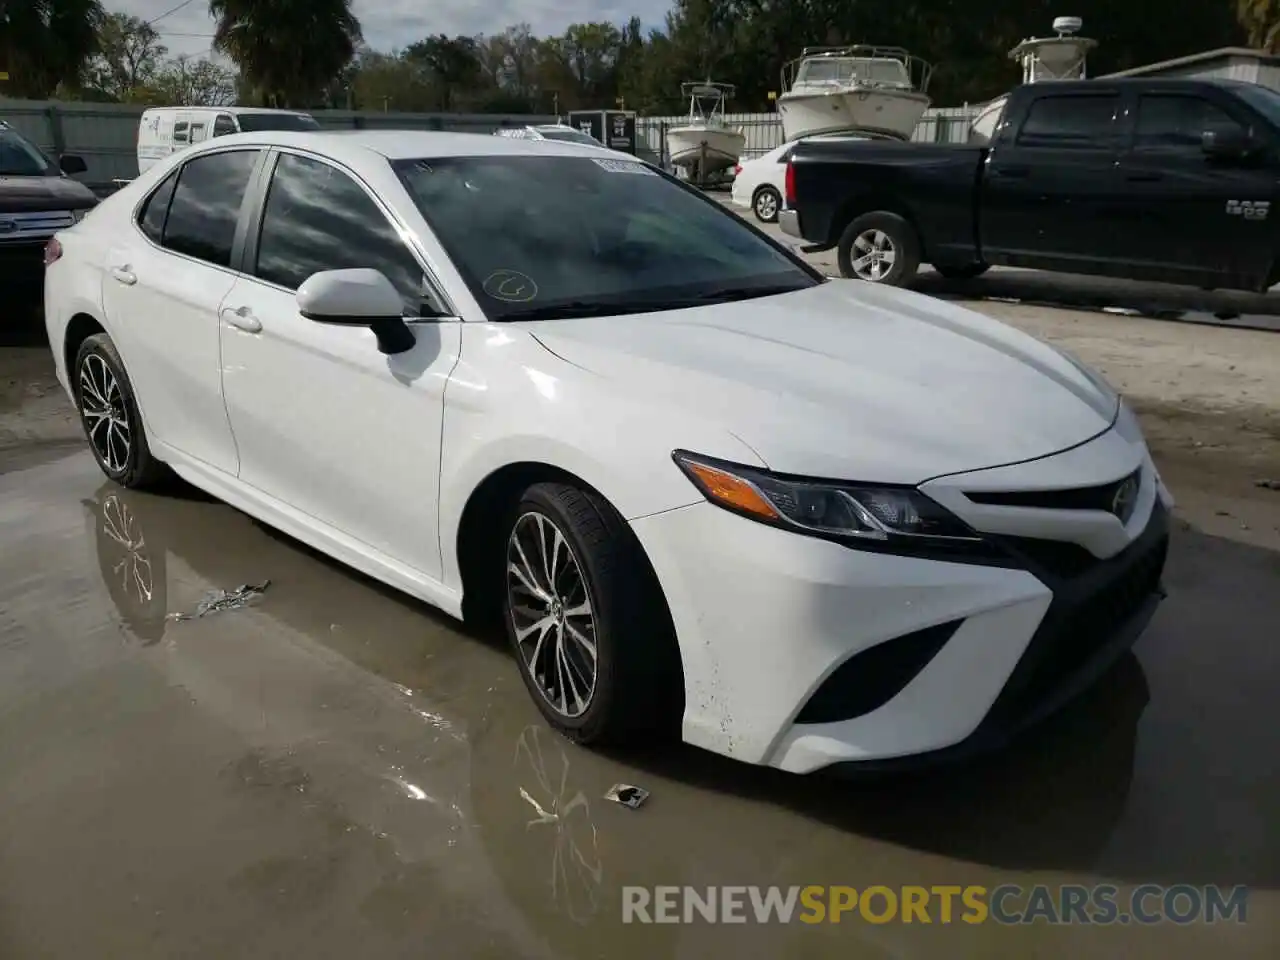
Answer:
(729, 294)
(568, 311)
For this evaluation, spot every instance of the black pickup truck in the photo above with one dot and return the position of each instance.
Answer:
(37, 199)
(1165, 180)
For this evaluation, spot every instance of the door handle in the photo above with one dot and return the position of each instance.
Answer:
(242, 318)
(124, 275)
(1012, 172)
(1144, 177)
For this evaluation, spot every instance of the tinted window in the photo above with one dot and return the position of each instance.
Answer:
(206, 205)
(1167, 122)
(20, 157)
(223, 125)
(318, 218)
(180, 133)
(1079, 121)
(154, 210)
(590, 234)
(570, 136)
(253, 122)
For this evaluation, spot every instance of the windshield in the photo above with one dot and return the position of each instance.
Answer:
(1263, 99)
(255, 122)
(569, 136)
(550, 237)
(20, 157)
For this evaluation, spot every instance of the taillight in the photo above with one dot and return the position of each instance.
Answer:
(737, 169)
(789, 186)
(52, 251)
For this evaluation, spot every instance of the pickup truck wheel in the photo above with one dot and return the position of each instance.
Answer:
(879, 247)
(766, 204)
(967, 272)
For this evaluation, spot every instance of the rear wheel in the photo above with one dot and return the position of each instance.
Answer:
(879, 247)
(109, 414)
(766, 204)
(586, 619)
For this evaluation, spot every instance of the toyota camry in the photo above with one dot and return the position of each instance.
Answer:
(708, 492)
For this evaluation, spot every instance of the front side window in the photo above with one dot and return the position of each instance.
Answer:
(156, 210)
(206, 204)
(1069, 122)
(1176, 122)
(19, 157)
(223, 125)
(539, 237)
(317, 218)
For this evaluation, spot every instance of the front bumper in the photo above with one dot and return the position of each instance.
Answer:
(802, 654)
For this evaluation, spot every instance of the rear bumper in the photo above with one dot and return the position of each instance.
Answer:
(22, 262)
(789, 223)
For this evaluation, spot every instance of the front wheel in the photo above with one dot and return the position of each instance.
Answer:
(109, 414)
(879, 247)
(587, 620)
(766, 204)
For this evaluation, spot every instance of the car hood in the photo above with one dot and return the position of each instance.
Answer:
(848, 380)
(34, 194)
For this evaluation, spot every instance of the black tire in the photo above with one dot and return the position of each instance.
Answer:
(637, 687)
(901, 235)
(967, 272)
(130, 464)
(771, 200)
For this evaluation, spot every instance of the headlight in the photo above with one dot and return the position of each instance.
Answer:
(861, 514)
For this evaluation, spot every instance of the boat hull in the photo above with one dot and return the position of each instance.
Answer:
(723, 147)
(882, 111)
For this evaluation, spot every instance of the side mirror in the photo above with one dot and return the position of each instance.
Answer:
(1226, 144)
(357, 298)
(70, 164)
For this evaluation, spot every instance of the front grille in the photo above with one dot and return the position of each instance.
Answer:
(37, 225)
(871, 678)
(1101, 497)
(1086, 613)
(1056, 558)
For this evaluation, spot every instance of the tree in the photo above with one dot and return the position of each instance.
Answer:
(1260, 20)
(44, 43)
(188, 82)
(290, 51)
(129, 55)
(451, 64)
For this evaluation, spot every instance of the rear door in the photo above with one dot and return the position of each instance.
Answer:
(1051, 182)
(1192, 218)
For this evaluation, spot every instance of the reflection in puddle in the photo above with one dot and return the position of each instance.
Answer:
(577, 875)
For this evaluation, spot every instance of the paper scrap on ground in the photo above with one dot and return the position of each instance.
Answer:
(220, 600)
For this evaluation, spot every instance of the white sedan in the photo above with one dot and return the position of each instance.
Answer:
(798, 522)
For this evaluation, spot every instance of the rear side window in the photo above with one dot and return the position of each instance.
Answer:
(206, 205)
(156, 209)
(1176, 122)
(1070, 122)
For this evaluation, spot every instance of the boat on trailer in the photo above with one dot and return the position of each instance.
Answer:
(860, 87)
(1062, 57)
(705, 145)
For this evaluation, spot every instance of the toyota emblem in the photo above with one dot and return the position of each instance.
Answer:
(1126, 496)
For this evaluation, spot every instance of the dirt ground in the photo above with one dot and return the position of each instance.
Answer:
(335, 771)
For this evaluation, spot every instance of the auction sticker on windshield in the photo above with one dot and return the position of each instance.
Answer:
(623, 166)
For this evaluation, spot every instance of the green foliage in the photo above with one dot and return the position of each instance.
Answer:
(44, 43)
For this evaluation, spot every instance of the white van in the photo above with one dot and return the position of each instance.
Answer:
(166, 130)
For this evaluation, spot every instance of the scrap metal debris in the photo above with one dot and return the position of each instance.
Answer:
(1267, 484)
(217, 601)
(627, 795)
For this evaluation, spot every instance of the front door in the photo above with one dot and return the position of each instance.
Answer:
(322, 420)
(164, 285)
(1194, 218)
(1050, 185)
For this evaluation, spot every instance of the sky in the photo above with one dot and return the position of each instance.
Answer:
(389, 24)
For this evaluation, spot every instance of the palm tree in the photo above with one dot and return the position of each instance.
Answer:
(288, 50)
(44, 43)
(1261, 20)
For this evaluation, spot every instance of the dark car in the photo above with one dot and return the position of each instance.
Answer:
(1145, 179)
(37, 199)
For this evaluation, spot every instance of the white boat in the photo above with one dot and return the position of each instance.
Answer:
(706, 144)
(855, 88)
(1047, 58)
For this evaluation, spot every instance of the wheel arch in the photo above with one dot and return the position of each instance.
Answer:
(80, 328)
(865, 203)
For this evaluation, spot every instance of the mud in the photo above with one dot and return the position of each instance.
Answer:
(336, 771)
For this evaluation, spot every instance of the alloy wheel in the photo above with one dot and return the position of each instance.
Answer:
(767, 206)
(106, 418)
(551, 614)
(873, 255)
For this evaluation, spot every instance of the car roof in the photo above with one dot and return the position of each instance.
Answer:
(407, 144)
